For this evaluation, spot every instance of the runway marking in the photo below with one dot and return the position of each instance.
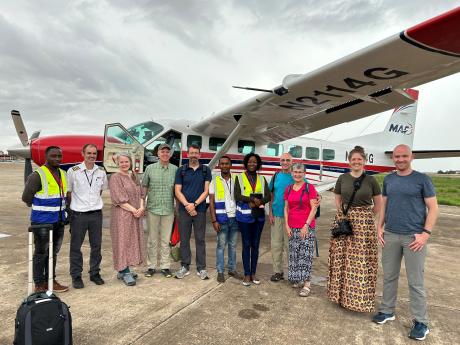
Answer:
(4, 235)
(450, 214)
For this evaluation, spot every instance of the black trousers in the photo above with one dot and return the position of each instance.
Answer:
(82, 222)
(198, 222)
(41, 251)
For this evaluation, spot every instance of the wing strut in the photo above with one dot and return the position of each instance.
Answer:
(230, 140)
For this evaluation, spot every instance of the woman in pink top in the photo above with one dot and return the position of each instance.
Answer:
(299, 214)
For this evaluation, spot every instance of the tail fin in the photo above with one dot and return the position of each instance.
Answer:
(400, 128)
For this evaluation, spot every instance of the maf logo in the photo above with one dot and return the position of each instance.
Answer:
(404, 129)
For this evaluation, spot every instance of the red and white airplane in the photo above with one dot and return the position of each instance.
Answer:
(372, 80)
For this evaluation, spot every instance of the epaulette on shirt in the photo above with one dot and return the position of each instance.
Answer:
(76, 168)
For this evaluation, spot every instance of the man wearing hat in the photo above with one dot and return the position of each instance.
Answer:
(158, 184)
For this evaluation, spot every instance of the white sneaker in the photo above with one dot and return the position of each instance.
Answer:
(203, 274)
(182, 273)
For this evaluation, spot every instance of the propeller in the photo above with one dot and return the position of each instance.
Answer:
(25, 141)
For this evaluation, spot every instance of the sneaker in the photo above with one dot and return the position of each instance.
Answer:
(234, 274)
(58, 287)
(255, 280)
(182, 273)
(277, 277)
(97, 279)
(203, 274)
(166, 273)
(419, 331)
(128, 279)
(220, 277)
(120, 275)
(381, 318)
(247, 280)
(77, 283)
(40, 287)
(150, 272)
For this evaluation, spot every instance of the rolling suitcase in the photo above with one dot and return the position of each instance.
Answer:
(42, 318)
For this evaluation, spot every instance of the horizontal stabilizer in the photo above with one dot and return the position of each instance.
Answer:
(424, 154)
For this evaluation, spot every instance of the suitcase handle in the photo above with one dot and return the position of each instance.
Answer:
(31, 230)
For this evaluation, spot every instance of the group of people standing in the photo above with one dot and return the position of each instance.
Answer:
(406, 210)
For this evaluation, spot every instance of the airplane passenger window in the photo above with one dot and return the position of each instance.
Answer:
(312, 152)
(295, 151)
(246, 146)
(216, 143)
(194, 139)
(274, 150)
(328, 154)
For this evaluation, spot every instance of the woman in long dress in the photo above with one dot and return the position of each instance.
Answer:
(353, 259)
(128, 245)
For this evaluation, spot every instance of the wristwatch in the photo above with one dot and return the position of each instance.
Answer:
(195, 204)
(427, 231)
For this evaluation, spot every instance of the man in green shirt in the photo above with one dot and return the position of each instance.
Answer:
(158, 184)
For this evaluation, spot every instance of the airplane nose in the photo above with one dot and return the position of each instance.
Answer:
(20, 151)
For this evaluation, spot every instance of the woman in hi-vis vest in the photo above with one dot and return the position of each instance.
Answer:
(251, 195)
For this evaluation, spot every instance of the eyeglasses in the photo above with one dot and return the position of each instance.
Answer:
(285, 160)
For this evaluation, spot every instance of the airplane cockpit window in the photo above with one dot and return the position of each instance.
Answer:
(312, 152)
(295, 151)
(246, 146)
(328, 154)
(145, 131)
(274, 150)
(194, 140)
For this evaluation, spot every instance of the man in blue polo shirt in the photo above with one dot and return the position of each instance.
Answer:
(191, 188)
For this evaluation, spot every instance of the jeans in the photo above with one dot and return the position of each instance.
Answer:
(228, 234)
(40, 257)
(250, 235)
(198, 222)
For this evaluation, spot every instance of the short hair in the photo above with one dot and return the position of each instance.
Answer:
(194, 146)
(88, 145)
(49, 148)
(225, 157)
(298, 166)
(359, 150)
(249, 155)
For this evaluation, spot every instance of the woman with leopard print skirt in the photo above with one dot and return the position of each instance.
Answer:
(353, 259)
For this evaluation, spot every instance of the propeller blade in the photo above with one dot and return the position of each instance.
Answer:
(35, 135)
(27, 168)
(20, 128)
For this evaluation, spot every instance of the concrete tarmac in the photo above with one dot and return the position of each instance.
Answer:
(191, 311)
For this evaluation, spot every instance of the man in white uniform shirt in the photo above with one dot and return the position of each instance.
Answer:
(86, 181)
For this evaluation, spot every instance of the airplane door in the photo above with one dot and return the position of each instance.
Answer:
(116, 140)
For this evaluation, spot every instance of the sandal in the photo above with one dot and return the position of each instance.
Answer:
(304, 292)
(295, 285)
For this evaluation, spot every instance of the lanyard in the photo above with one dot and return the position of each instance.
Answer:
(251, 181)
(87, 178)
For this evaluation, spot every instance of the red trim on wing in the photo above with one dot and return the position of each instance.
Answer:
(441, 32)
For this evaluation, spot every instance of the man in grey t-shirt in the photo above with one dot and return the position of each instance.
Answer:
(410, 210)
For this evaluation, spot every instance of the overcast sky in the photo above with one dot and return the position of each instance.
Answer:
(72, 66)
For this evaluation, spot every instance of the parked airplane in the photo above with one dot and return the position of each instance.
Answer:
(370, 81)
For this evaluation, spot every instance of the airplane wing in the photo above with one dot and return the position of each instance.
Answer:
(423, 154)
(367, 82)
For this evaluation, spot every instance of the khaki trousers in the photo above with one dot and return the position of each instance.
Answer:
(279, 243)
(160, 227)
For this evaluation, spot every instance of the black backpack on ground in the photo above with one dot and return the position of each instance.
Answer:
(42, 318)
